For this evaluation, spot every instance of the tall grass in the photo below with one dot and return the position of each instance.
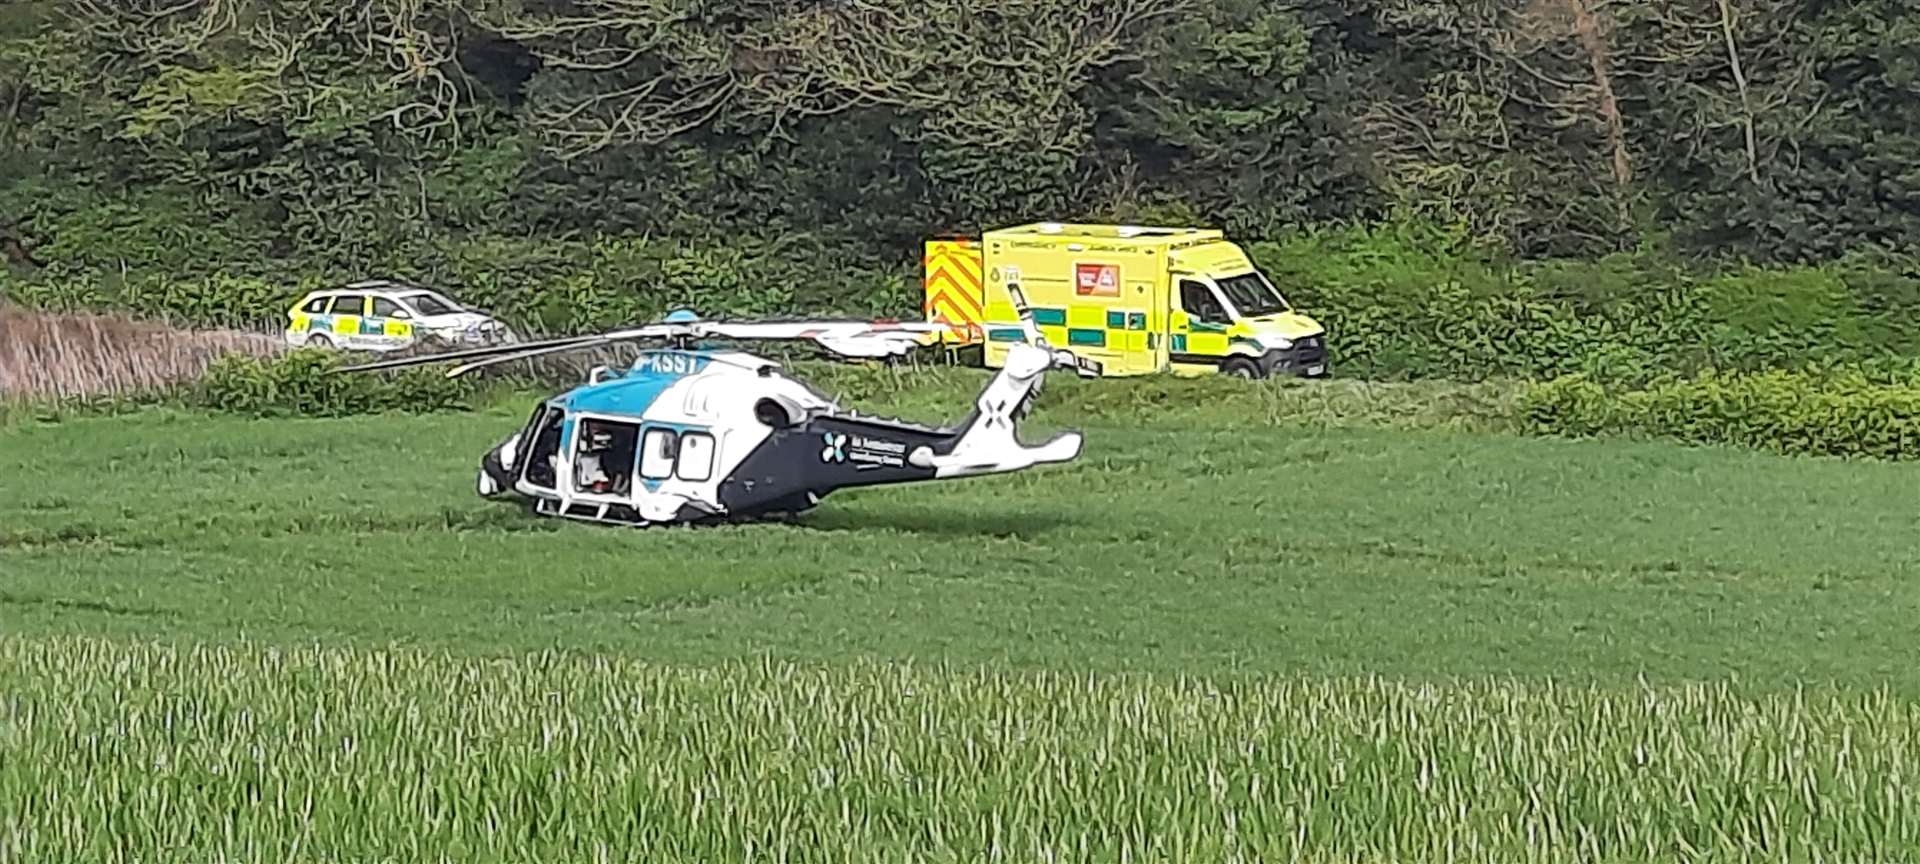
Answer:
(123, 752)
(47, 355)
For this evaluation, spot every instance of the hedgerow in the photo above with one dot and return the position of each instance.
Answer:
(303, 382)
(1409, 302)
(1850, 413)
(568, 286)
(1401, 301)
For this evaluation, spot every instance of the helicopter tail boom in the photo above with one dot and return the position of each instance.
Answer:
(801, 463)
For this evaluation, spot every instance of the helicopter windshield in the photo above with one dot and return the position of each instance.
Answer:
(543, 451)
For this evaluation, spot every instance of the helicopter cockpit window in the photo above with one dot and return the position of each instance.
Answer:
(656, 460)
(688, 456)
(696, 456)
(541, 457)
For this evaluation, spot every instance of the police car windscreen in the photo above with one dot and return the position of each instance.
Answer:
(432, 304)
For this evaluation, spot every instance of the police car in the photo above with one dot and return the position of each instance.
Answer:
(389, 315)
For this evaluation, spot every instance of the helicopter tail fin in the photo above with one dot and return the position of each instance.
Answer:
(985, 442)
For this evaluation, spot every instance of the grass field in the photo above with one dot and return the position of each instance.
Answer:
(1233, 544)
(137, 753)
(1425, 644)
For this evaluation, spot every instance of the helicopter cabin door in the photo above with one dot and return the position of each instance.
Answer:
(604, 452)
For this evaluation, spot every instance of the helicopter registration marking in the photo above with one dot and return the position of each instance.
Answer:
(670, 363)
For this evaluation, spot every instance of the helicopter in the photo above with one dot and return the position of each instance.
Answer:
(690, 433)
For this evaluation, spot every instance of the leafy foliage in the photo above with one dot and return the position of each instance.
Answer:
(298, 383)
(1415, 302)
(1841, 413)
(797, 152)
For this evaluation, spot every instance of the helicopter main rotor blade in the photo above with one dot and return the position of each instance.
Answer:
(483, 362)
(465, 354)
(562, 343)
(848, 338)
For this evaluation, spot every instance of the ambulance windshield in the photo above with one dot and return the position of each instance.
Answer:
(1252, 295)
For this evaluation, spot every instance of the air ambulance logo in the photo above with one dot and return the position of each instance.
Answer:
(1097, 280)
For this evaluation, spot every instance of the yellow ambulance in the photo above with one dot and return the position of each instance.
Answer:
(1139, 300)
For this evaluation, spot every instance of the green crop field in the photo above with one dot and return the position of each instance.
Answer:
(210, 754)
(1188, 541)
(1271, 624)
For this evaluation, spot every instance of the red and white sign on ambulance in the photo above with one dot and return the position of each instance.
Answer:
(1100, 280)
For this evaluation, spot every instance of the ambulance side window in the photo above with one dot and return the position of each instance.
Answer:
(349, 304)
(1199, 302)
(316, 306)
(384, 308)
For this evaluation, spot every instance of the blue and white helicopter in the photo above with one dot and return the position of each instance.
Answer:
(692, 435)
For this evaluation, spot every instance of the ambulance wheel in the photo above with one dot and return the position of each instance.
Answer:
(319, 341)
(1241, 367)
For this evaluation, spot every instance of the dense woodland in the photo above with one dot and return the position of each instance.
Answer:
(585, 161)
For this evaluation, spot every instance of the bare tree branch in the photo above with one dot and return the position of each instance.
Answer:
(663, 75)
(1740, 80)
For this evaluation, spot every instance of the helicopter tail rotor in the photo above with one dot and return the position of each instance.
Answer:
(986, 442)
(1061, 358)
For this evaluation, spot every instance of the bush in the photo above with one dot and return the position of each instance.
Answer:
(301, 383)
(220, 300)
(1852, 412)
(550, 286)
(1401, 301)
(1410, 302)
